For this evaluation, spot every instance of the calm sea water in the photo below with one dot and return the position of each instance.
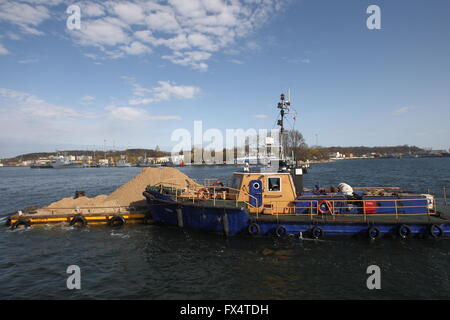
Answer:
(152, 262)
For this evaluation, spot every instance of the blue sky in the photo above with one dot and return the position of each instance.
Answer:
(137, 70)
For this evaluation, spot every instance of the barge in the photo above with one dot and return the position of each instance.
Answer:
(81, 216)
(272, 201)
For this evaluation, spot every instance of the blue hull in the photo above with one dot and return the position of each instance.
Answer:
(348, 229)
(236, 220)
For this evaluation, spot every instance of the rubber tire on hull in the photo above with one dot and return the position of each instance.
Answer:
(404, 231)
(373, 232)
(317, 232)
(78, 219)
(433, 228)
(281, 231)
(254, 229)
(148, 218)
(19, 223)
(117, 221)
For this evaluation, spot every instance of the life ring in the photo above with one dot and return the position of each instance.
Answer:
(217, 187)
(373, 232)
(325, 206)
(254, 229)
(218, 183)
(78, 219)
(316, 232)
(281, 231)
(436, 231)
(117, 221)
(18, 223)
(404, 231)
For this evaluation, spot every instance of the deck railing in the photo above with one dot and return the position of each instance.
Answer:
(291, 208)
(279, 208)
(213, 193)
(89, 210)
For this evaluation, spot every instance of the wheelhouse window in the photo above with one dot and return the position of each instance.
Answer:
(274, 184)
(236, 182)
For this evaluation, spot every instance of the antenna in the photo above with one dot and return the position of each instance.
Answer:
(284, 107)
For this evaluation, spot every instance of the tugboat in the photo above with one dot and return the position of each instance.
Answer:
(273, 201)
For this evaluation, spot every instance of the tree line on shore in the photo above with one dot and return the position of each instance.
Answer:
(293, 143)
(95, 154)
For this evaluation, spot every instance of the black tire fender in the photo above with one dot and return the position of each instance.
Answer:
(18, 223)
(404, 231)
(78, 219)
(148, 218)
(117, 221)
(281, 231)
(254, 229)
(317, 232)
(433, 228)
(373, 232)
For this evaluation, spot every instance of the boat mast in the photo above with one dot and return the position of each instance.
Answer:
(284, 106)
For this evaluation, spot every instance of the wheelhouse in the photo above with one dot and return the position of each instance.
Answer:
(262, 190)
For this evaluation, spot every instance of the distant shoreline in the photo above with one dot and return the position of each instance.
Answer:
(234, 165)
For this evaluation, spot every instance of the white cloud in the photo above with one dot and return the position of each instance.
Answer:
(13, 36)
(201, 41)
(165, 91)
(3, 50)
(253, 45)
(129, 12)
(236, 61)
(297, 60)
(260, 116)
(88, 98)
(92, 10)
(135, 114)
(101, 32)
(29, 105)
(138, 90)
(28, 61)
(194, 59)
(192, 30)
(24, 15)
(32, 122)
(136, 48)
(168, 90)
(402, 110)
(163, 20)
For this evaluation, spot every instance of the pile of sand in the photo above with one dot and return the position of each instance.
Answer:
(128, 195)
